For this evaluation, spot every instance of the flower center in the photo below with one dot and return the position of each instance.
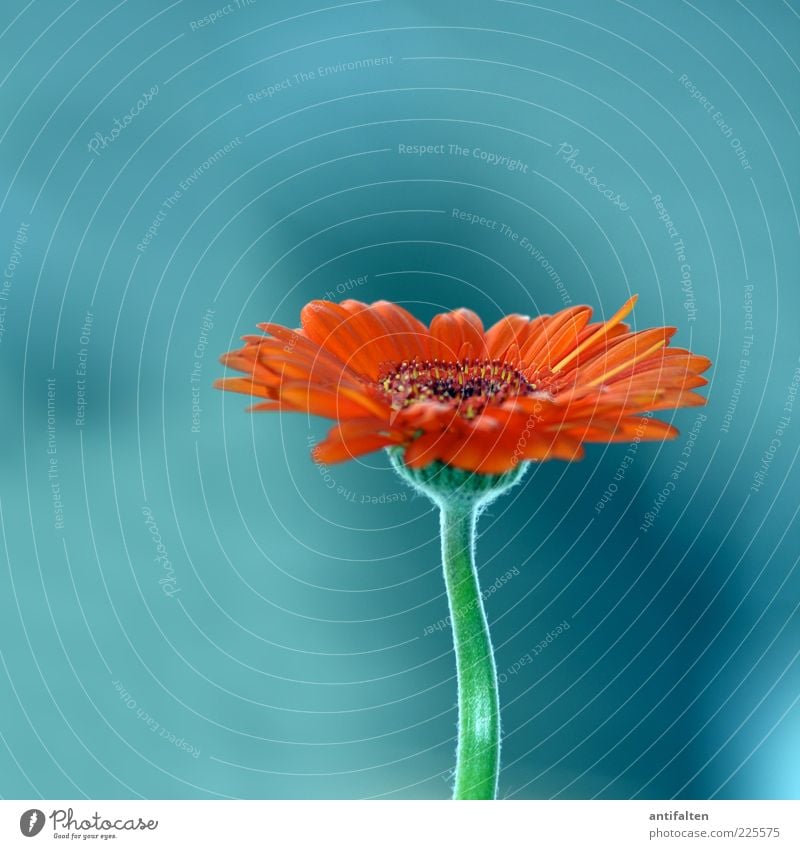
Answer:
(467, 384)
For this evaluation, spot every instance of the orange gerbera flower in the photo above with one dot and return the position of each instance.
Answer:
(482, 401)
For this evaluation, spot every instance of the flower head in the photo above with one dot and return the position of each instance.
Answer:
(473, 399)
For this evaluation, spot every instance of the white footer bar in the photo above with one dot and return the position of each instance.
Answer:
(401, 824)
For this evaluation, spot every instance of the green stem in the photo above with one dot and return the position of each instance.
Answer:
(478, 756)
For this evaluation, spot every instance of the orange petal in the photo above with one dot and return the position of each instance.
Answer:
(378, 330)
(334, 450)
(243, 361)
(348, 335)
(411, 337)
(624, 352)
(607, 374)
(686, 359)
(599, 334)
(657, 376)
(245, 386)
(273, 351)
(425, 449)
(323, 401)
(624, 429)
(630, 399)
(558, 335)
(511, 329)
(365, 426)
(268, 407)
(449, 332)
(425, 416)
(285, 334)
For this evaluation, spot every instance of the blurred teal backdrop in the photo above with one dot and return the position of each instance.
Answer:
(189, 607)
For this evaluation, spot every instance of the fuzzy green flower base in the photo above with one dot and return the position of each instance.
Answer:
(442, 482)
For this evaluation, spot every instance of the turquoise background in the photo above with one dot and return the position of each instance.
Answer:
(293, 653)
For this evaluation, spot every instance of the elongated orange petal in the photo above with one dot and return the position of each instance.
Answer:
(241, 361)
(423, 450)
(410, 337)
(365, 426)
(537, 352)
(450, 331)
(269, 406)
(334, 328)
(322, 401)
(558, 335)
(510, 330)
(606, 375)
(600, 333)
(245, 386)
(333, 450)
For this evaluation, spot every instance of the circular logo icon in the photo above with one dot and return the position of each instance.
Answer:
(31, 822)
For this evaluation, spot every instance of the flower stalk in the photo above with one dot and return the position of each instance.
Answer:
(478, 753)
(461, 496)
